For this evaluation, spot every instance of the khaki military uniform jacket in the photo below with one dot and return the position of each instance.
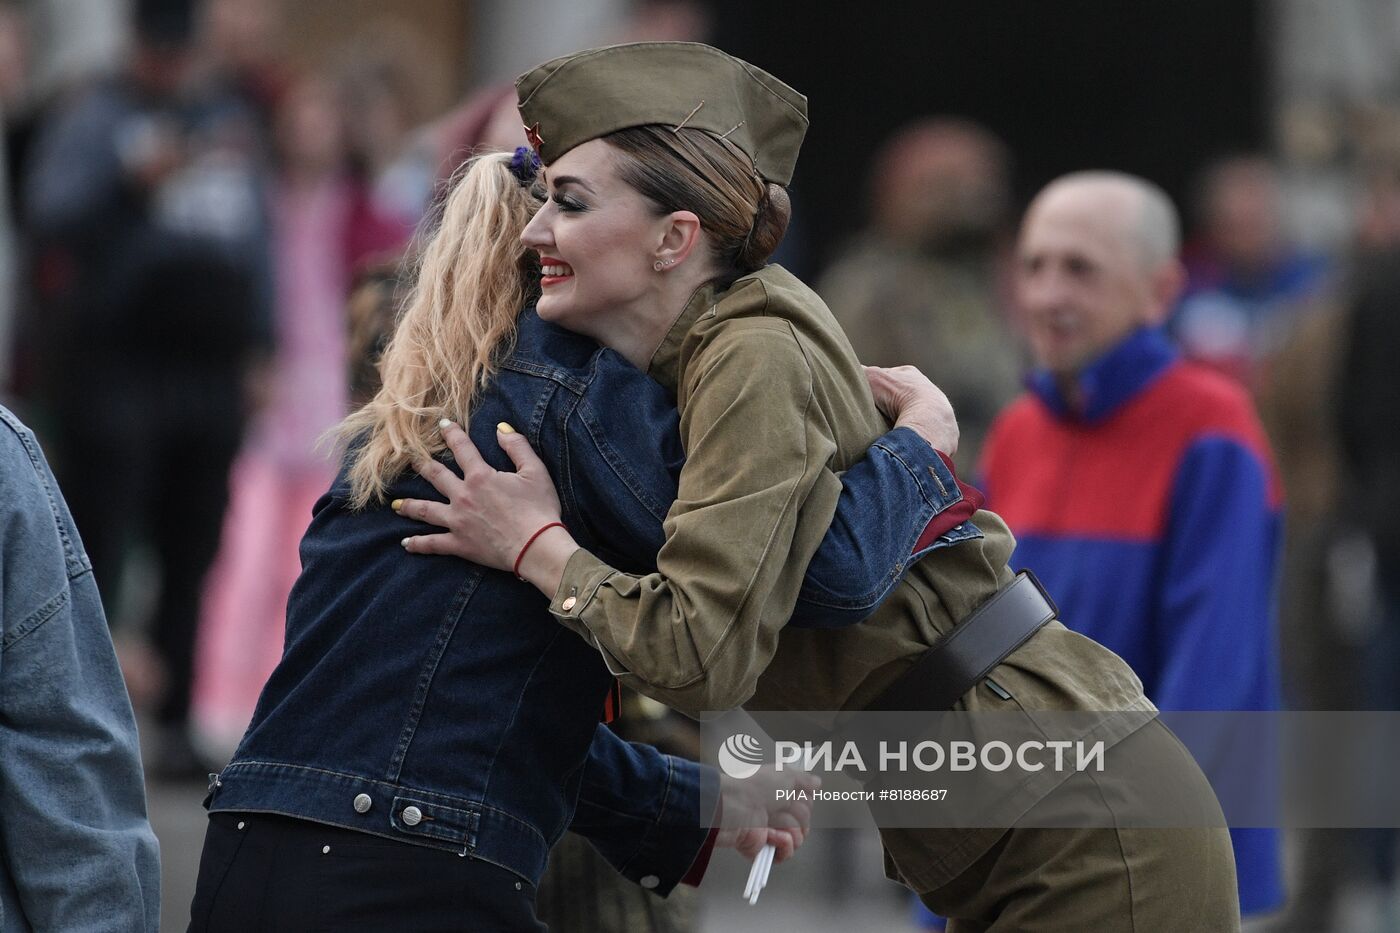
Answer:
(773, 405)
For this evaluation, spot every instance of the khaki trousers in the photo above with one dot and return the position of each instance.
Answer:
(1114, 880)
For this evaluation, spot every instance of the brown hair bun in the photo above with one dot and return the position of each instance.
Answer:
(769, 226)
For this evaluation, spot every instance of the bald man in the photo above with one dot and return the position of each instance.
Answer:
(1140, 487)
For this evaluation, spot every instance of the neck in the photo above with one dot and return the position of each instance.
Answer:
(1070, 391)
(636, 335)
(636, 331)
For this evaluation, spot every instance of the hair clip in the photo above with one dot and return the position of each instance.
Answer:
(732, 128)
(677, 127)
(525, 165)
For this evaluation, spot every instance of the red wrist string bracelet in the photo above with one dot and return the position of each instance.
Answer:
(516, 569)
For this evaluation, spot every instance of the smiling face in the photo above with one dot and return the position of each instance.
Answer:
(597, 240)
(1082, 282)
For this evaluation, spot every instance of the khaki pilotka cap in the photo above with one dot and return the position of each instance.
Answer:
(570, 100)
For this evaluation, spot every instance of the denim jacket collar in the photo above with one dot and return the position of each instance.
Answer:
(1112, 380)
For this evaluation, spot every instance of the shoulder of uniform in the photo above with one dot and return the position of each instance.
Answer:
(12, 426)
(749, 337)
(764, 308)
(770, 291)
(747, 351)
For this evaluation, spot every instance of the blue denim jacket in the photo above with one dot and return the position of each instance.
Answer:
(434, 701)
(76, 851)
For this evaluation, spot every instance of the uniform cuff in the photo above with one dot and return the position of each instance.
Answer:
(583, 575)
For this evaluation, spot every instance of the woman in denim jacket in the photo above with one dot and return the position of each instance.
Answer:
(429, 732)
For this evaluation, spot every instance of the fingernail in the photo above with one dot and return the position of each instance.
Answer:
(505, 428)
(396, 504)
(445, 422)
(404, 544)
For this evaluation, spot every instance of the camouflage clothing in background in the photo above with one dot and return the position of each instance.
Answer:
(940, 313)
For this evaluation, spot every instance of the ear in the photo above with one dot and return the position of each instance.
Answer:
(680, 235)
(1167, 283)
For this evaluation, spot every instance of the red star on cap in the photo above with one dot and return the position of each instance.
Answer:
(533, 137)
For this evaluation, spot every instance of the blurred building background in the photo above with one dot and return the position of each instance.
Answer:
(1274, 124)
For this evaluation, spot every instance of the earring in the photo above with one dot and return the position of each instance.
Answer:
(661, 264)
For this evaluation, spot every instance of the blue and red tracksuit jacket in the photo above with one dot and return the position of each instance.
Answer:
(1152, 515)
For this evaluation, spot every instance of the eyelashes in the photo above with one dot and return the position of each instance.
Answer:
(567, 205)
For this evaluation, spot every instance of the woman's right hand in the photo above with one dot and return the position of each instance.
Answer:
(906, 397)
(492, 515)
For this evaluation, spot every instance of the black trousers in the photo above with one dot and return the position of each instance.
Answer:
(149, 456)
(273, 874)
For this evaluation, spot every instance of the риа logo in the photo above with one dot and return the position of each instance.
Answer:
(741, 756)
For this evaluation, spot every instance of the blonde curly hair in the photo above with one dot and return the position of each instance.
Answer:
(470, 281)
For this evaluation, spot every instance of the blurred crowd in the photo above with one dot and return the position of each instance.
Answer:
(181, 243)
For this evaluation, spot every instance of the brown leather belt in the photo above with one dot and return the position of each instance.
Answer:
(960, 660)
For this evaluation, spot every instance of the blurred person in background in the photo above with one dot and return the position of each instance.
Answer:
(1247, 283)
(921, 284)
(1124, 463)
(487, 120)
(1367, 412)
(379, 95)
(281, 470)
(667, 21)
(242, 51)
(145, 201)
(13, 68)
(1326, 594)
(76, 851)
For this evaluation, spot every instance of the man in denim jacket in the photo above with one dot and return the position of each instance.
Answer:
(76, 851)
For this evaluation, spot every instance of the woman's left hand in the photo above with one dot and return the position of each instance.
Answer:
(489, 514)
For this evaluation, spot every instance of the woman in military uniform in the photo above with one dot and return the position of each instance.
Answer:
(666, 164)
(417, 751)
